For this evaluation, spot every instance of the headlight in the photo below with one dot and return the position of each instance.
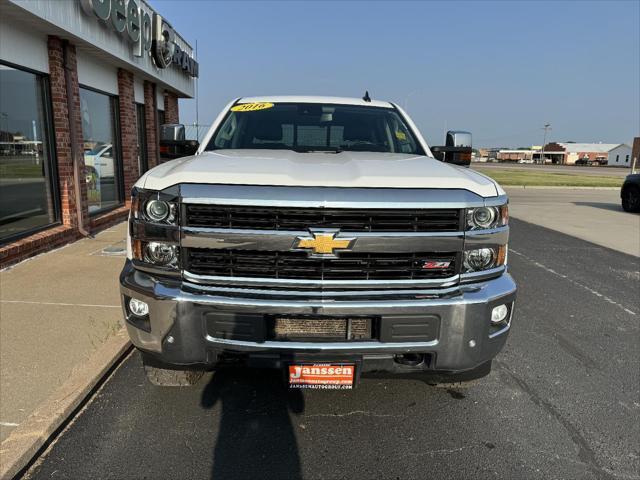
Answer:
(161, 254)
(484, 218)
(159, 211)
(479, 259)
(486, 258)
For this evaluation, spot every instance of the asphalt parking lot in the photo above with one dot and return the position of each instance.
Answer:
(561, 402)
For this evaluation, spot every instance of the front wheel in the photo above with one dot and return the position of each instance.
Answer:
(157, 374)
(631, 199)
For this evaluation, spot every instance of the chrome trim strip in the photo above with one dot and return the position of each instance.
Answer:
(247, 231)
(143, 230)
(482, 275)
(496, 201)
(486, 238)
(329, 197)
(501, 286)
(146, 267)
(325, 285)
(318, 284)
(331, 346)
(274, 240)
(488, 231)
(432, 293)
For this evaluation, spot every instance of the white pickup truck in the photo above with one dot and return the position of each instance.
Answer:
(321, 236)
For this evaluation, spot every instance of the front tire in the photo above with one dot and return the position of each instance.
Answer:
(160, 376)
(631, 199)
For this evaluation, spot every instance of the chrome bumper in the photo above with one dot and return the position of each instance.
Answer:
(176, 329)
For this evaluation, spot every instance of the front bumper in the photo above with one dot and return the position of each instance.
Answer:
(178, 328)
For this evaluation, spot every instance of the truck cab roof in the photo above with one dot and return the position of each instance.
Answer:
(315, 99)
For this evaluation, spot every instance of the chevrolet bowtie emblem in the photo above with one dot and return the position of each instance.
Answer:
(323, 244)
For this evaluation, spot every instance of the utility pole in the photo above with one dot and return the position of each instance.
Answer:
(546, 128)
(196, 92)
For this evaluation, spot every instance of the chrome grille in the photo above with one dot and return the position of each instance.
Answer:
(299, 219)
(298, 265)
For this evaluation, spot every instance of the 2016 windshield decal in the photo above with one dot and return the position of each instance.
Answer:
(251, 107)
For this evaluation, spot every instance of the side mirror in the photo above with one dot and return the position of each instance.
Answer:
(172, 132)
(457, 148)
(173, 143)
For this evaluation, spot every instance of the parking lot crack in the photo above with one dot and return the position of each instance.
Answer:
(585, 452)
(441, 451)
(355, 412)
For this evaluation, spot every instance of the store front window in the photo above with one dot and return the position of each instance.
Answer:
(101, 153)
(27, 195)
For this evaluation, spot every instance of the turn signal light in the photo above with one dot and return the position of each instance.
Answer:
(136, 249)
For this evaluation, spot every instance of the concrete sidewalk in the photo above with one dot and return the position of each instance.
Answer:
(56, 310)
(589, 214)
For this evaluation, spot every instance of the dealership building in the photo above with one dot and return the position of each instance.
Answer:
(84, 86)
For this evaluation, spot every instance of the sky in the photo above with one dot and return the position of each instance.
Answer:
(498, 69)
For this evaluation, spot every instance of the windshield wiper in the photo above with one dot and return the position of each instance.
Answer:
(315, 150)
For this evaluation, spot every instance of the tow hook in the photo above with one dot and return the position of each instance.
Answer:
(409, 359)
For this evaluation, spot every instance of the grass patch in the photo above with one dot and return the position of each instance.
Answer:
(550, 179)
(24, 169)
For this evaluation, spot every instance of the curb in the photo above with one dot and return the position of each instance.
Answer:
(25, 442)
(556, 187)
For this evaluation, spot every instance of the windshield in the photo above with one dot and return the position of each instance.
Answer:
(310, 127)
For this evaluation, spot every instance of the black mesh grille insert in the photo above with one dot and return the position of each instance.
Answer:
(297, 265)
(347, 220)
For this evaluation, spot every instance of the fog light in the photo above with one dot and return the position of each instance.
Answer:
(499, 313)
(138, 307)
(161, 253)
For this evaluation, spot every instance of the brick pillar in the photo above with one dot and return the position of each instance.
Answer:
(151, 121)
(62, 125)
(128, 132)
(171, 114)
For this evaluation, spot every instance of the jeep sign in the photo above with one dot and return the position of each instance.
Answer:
(148, 31)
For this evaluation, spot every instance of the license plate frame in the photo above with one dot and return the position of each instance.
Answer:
(322, 375)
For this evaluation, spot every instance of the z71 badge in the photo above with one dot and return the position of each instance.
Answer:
(435, 265)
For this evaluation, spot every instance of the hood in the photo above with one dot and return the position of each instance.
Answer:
(317, 169)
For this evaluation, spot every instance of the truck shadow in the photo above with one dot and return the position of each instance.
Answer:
(616, 207)
(256, 438)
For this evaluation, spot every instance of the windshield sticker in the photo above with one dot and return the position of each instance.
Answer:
(401, 136)
(251, 107)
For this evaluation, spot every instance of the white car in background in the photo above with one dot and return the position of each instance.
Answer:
(100, 162)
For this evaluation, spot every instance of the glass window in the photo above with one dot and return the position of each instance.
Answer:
(27, 201)
(305, 127)
(101, 159)
(161, 118)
